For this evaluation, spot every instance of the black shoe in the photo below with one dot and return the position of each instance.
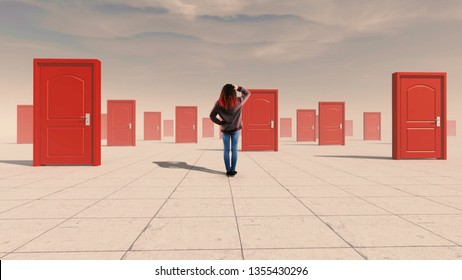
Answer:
(232, 173)
(228, 173)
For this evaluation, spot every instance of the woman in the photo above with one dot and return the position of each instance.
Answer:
(229, 108)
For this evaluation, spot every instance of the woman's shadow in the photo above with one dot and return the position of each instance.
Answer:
(184, 165)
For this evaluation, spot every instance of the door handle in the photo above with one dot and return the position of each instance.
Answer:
(438, 121)
(87, 119)
(157, 127)
(130, 126)
(312, 127)
(341, 126)
(194, 127)
(378, 127)
(272, 124)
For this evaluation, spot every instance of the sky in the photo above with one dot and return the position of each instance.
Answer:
(181, 52)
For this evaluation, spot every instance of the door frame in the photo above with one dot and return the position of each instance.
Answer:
(276, 116)
(364, 125)
(343, 120)
(96, 104)
(133, 118)
(396, 113)
(176, 123)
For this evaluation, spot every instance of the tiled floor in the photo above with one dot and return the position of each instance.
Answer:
(161, 200)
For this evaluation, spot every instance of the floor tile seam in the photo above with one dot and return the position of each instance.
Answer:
(163, 204)
(71, 186)
(309, 209)
(391, 213)
(236, 219)
(65, 220)
(400, 217)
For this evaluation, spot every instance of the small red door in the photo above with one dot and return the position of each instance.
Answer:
(372, 126)
(451, 125)
(25, 121)
(348, 128)
(419, 115)
(152, 125)
(168, 128)
(67, 111)
(186, 124)
(286, 127)
(306, 126)
(259, 121)
(331, 123)
(316, 127)
(207, 128)
(103, 126)
(121, 122)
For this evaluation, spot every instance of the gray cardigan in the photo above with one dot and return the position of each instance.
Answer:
(231, 120)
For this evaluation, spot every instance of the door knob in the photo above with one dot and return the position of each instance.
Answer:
(130, 126)
(87, 119)
(272, 124)
(341, 126)
(194, 126)
(312, 127)
(438, 121)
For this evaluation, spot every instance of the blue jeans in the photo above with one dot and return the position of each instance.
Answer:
(234, 138)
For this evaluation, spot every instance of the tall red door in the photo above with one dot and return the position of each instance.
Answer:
(103, 126)
(186, 124)
(25, 121)
(372, 126)
(67, 111)
(306, 126)
(419, 115)
(331, 123)
(152, 125)
(286, 127)
(121, 122)
(207, 128)
(168, 128)
(259, 118)
(348, 128)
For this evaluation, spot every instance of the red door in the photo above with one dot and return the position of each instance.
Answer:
(371, 126)
(67, 111)
(186, 124)
(306, 127)
(103, 126)
(152, 125)
(286, 127)
(25, 121)
(348, 128)
(259, 118)
(121, 123)
(207, 128)
(451, 125)
(419, 115)
(331, 123)
(316, 127)
(168, 128)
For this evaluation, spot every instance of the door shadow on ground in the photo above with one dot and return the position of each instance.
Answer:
(18, 162)
(353, 156)
(184, 165)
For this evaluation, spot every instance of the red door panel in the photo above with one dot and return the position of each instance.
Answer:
(207, 128)
(103, 126)
(286, 127)
(121, 123)
(25, 121)
(306, 126)
(186, 124)
(331, 123)
(419, 115)
(451, 125)
(152, 125)
(168, 128)
(67, 106)
(348, 128)
(372, 126)
(259, 117)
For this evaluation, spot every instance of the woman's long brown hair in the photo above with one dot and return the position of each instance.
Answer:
(228, 97)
